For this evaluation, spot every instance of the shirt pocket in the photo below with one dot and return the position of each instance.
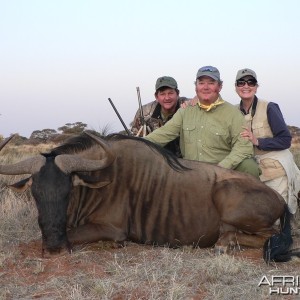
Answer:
(216, 136)
(271, 169)
(258, 128)
(189, 133)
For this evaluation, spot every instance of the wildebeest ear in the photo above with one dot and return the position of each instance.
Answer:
(80, 180)
(22, 185)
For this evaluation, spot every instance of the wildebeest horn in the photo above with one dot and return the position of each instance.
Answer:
(71, 162)
(6, 141)
(28, 166)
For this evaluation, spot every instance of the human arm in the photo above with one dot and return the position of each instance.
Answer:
(282, 138)
(241, 148)
(168, 132)
(136, 123)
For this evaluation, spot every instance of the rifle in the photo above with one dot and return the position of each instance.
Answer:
(121, 120)
(144, 126)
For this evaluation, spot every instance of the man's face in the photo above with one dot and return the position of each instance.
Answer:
(207, 89)
(167, 99)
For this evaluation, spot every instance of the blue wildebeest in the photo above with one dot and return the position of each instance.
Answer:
(125, 188)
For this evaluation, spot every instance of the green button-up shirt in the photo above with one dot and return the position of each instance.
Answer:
(209, 136)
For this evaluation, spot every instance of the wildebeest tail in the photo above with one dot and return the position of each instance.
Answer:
(276, 248)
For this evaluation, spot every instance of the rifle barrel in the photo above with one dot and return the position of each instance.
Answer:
(120, 118)
(140, 103)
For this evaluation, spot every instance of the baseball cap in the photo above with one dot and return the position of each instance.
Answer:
(245, 72)
(166, 81)
(209, 71)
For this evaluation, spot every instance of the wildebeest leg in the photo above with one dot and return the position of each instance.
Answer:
(90, 233)
(230, 239)
(247, 213)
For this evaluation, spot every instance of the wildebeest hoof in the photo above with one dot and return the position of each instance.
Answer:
(52, 254)
(220, 250)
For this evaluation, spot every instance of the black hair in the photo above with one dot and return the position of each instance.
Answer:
(163, 88)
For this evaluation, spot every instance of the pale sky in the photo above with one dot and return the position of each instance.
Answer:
(60, 61)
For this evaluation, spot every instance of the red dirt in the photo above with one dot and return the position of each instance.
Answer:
(30, 268)
(30, 254)
(60, 265)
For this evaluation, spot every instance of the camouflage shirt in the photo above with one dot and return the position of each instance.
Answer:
(154, 120)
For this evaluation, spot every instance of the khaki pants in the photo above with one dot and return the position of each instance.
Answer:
(280, 185)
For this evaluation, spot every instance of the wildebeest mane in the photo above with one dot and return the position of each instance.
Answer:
(83, 142)
(72, 145)
(170, 158)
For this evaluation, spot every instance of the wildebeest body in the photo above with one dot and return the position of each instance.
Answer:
(149, 203)
(140, 193)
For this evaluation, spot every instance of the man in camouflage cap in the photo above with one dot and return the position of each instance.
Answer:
(160, 111)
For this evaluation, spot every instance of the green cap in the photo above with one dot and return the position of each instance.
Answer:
(165, 81)
(245, 72)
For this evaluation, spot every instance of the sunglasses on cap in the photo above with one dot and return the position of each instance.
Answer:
(242, 82)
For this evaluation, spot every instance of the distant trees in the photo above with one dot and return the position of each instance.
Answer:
(73, 128)
(46, 134)
(51, 135)
(42, 135)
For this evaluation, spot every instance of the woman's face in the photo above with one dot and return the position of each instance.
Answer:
(246, 87)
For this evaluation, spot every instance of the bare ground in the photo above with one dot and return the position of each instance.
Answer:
(99, 271)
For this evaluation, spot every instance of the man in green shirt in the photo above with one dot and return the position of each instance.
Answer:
(210, 131)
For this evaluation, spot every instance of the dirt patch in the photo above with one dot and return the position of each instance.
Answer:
(101, 261)
(32, 268)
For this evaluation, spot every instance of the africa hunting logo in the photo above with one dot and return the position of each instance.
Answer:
(281, 285)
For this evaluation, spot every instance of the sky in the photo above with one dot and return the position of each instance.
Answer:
(61, 60)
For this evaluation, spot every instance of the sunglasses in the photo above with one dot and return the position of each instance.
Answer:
(242, 82)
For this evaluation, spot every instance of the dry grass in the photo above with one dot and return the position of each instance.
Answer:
(99, 271)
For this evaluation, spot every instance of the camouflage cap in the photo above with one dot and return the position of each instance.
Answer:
(166, 81)
(245, 72)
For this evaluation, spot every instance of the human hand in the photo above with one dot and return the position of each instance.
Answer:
(248, 134)
(187, 103)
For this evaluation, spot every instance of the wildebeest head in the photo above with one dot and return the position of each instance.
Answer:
(52, 177)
